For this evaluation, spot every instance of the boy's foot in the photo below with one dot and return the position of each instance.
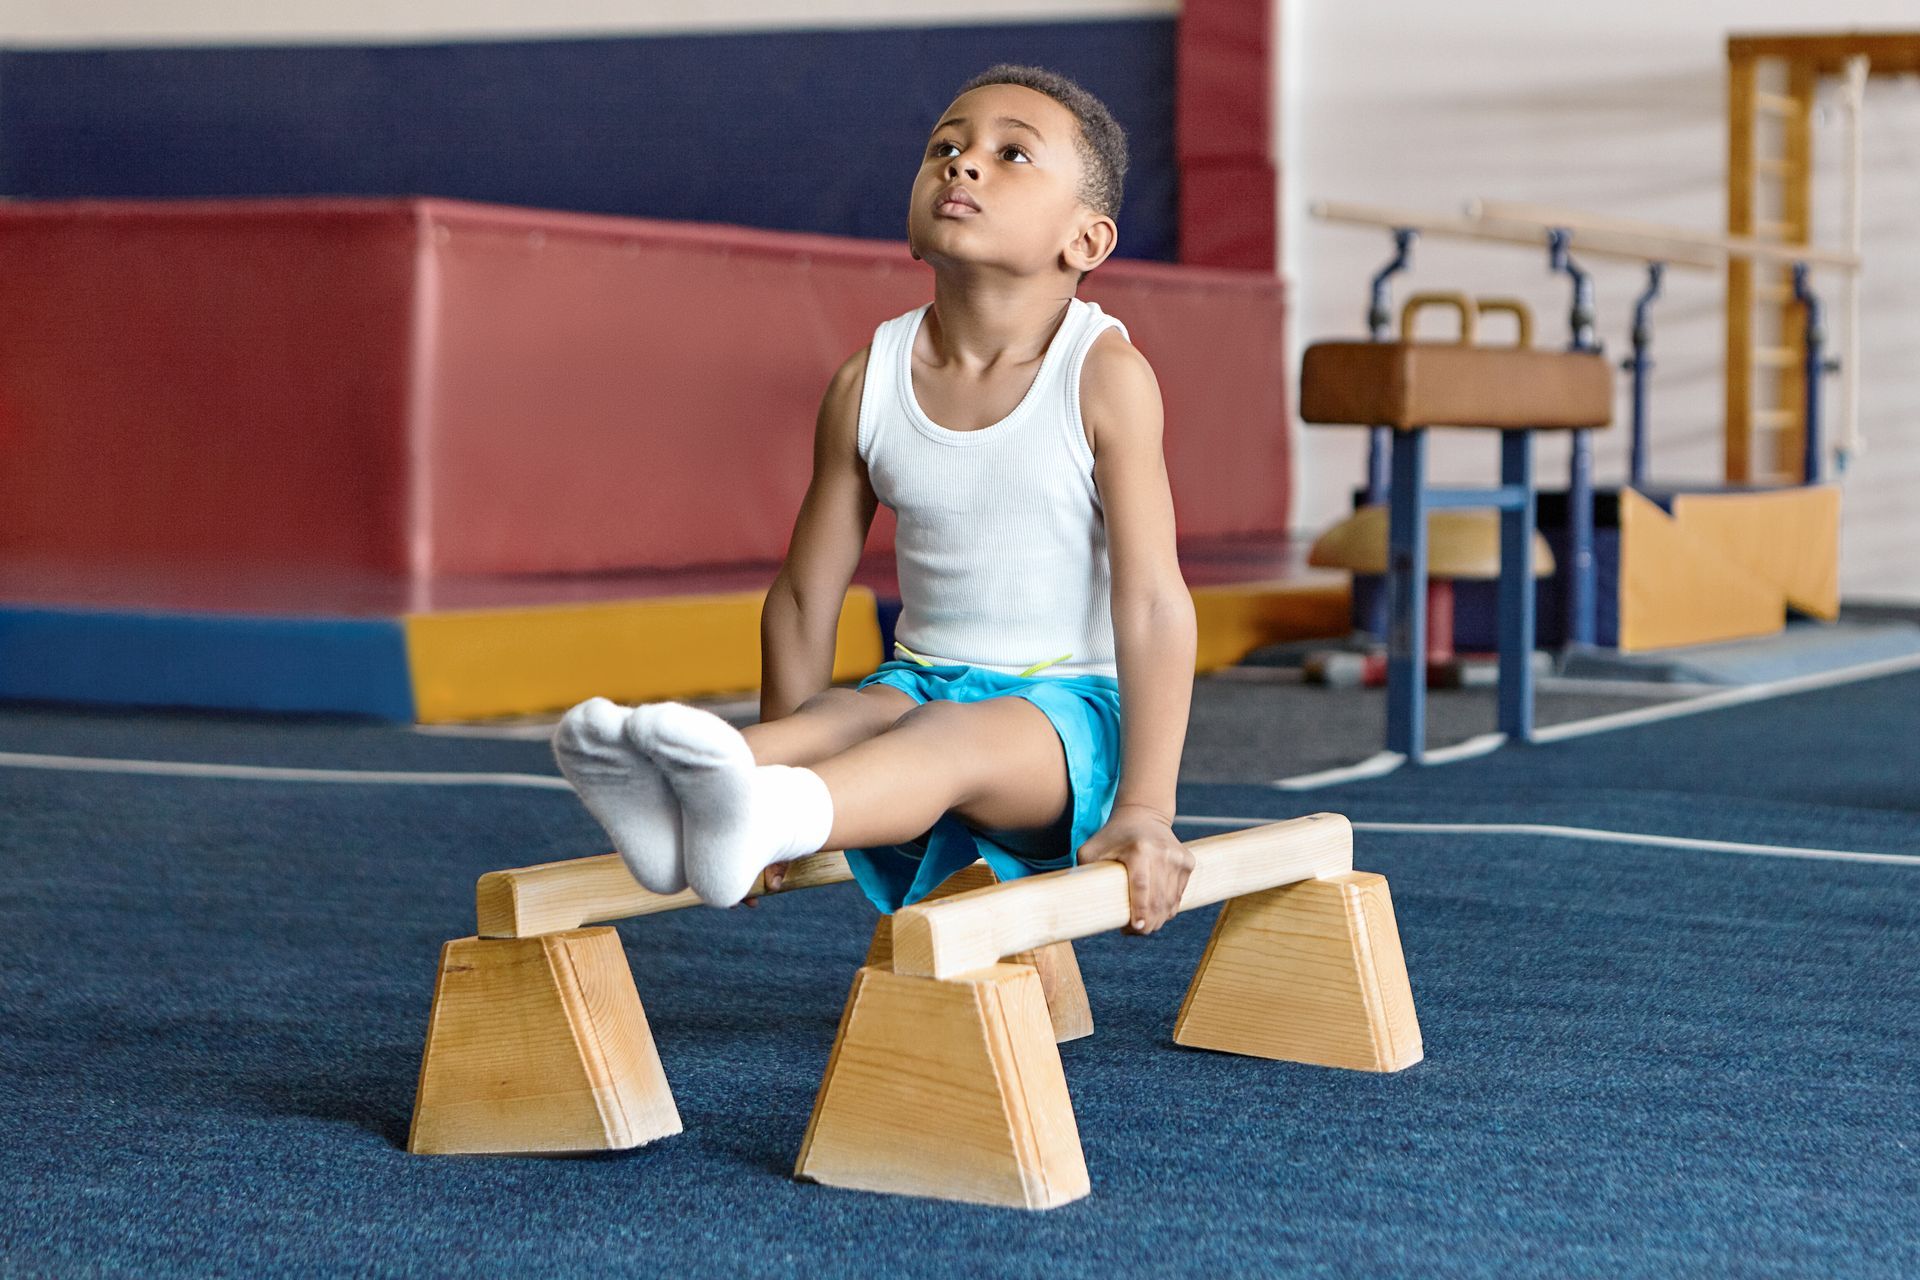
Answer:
(738, 816)
(625, 790)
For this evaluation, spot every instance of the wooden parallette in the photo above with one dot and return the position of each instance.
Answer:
(537, 1041)
(945, 1079)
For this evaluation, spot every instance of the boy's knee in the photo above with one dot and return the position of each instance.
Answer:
(831, 697)
(933, 711)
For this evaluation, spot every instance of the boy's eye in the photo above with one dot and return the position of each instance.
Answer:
(935, 150)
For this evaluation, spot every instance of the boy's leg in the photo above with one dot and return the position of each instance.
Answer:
(827, 723)
(998, 763)
(624, 788)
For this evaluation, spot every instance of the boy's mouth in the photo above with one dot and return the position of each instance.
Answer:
(956, 202)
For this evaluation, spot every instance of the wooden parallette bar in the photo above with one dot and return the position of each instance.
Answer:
(945, 1079)
(528, 901)
(973, 930)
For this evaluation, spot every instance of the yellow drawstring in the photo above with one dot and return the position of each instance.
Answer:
(1042, 666)
(911, 654)
(1038, 666)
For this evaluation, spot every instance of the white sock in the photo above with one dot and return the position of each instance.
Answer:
(625, 790)
(738, 816)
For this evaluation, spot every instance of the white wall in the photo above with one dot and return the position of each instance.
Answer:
(1617, 108)
(27, 23)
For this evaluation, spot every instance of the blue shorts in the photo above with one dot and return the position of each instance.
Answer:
(1085, 711)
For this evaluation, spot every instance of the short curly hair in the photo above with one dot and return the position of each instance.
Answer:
(1102, 143)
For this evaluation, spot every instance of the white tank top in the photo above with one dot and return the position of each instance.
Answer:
(1002, 541)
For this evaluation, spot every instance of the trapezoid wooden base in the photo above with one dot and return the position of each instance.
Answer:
(947, 1089)
(1308, 972)
(538, 1045)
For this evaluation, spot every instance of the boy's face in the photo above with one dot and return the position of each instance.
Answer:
(1013, 151)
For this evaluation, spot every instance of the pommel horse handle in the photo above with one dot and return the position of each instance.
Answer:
(971, 931)
(528, 901)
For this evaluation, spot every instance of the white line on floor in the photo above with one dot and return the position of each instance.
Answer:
(1479, 745)
(541, 732)
(543, 782)
(1378, 765)
(1386, 762)
(1599, 687)
(1584, 833)
(1730, 698)
(267, 773)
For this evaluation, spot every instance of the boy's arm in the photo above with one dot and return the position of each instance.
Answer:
(1154, 627)
(801, 618)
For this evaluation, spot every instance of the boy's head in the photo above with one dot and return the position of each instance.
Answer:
(1043, 163)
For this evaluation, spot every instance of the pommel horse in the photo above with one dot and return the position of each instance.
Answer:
(945, 1077)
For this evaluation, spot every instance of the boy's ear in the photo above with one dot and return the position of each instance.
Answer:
(1092, 244)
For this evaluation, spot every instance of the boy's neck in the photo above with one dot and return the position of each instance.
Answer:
(980, 322)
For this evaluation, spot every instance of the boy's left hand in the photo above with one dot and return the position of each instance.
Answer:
(1157, 863)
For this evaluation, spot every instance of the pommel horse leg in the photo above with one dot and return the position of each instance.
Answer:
(537, 1041)
(945, 1080)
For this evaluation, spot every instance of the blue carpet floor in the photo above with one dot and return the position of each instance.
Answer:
(1640, 1061)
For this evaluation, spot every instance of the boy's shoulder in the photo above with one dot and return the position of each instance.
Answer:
(851, 370)
(1117, 387)
(838, 425)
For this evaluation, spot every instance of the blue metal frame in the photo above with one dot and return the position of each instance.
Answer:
(1397, 474)
(1579, 572)
(1816, 337)
(1409, 501)
(1372, 617)
(1516, 586)
(1380, 327)
(1407, 596)
(1641, 366)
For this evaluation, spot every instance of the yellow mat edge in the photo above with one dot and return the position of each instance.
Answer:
(480, 663)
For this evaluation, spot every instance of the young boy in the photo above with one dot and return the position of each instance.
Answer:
(1017, 435)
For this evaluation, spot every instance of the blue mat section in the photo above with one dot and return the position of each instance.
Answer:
(1804, 647)
(350, 665)
(792, 130)
(1640, 1061)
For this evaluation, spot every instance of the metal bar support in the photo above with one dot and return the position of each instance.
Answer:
(1816, 338)
(1579, 570)
(1407, 597)
(1641, 365)
(1517, 588)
